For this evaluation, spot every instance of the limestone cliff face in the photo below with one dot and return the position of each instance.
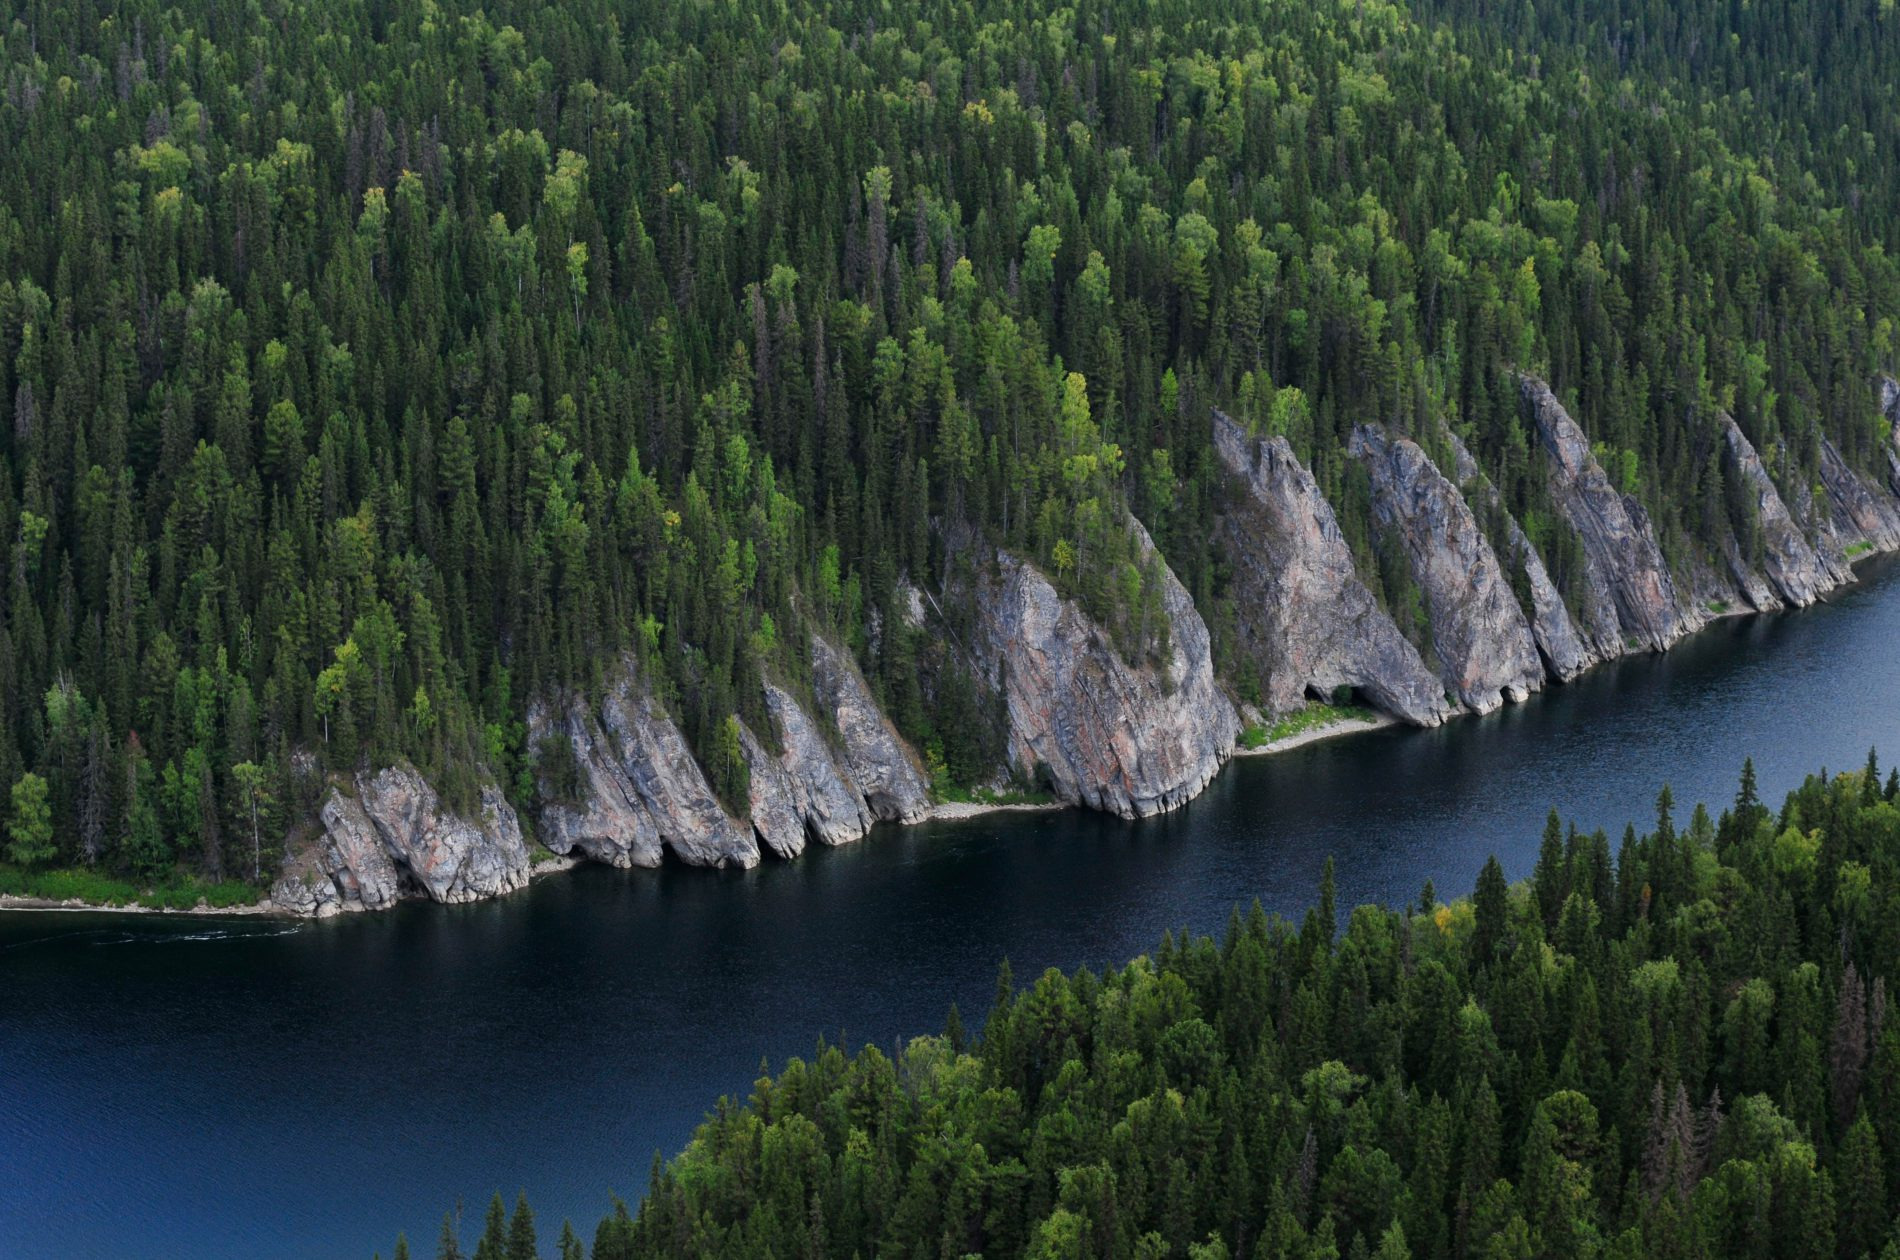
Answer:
(1632, 599)
(879, 763)
(1480, 635)
(802, 792)
(395, 838)
(1128, 739)
(1798, 572)
(829, 802)
(773, 809)
(605, 820)
(1559, 642)
(641, 791)
(1304, 618)
(1861, 513)
(1889, 391)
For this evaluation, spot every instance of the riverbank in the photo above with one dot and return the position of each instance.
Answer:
(264, 908)
(1316, 723)
(1331, 728)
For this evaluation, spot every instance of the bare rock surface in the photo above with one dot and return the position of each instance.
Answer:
(829, 803)
(1633, 602)
(1559, 641)
(1481, 637)
(1798, 572)
(774, 804)
(394, 838)
(642, 793)
(1304, 618)
(1128, 739)
(880, 764)
(1861, 513)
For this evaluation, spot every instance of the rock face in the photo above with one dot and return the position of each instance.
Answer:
(1479, 633)
(1559, 642)
(641, 793)
(829, 803)
(1633, 600)
(1860, 513)
(774, 810)
(801, 793)
(1799, 573)
(605, 820)
(879, 763)
(1132, 740)
(395, 838)
(1304, 618)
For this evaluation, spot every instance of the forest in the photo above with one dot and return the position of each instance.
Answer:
(1684, 1050)
(369, 370)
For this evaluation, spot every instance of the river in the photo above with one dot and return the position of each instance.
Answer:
(187, 1087)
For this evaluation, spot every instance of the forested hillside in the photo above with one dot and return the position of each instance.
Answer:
(1687, 1050)
(374, 372)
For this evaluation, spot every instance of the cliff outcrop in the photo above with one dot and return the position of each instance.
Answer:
(1799, 573)
(1482, 639)
(1129, 738)
(394, 838)
(1304, 619)
(1632, 600)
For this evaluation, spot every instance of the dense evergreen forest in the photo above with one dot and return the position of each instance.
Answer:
(1684, 1051)
(367, 370)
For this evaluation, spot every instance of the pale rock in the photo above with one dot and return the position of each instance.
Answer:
(882, 767)
(1480, 635)
(1632, 599)
(1304, 618)
(1132, 740)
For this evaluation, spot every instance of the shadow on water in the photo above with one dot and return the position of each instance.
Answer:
(189, 1087)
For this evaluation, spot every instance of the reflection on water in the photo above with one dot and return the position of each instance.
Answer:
(192, 1087)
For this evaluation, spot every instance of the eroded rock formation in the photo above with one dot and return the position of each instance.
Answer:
(878, 761)
(1798, 572)
(1632, 601)
(1130, 739)
(640, 793)
(1479, 632)
(395, 838)
(1304, 618)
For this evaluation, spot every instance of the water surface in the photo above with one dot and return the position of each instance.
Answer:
(210, 1088)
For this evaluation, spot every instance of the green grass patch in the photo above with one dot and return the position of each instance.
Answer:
(178, 892)
(951, 792)
(1300, 721)
(1860, 548)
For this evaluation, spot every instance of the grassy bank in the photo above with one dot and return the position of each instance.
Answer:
(179, 892)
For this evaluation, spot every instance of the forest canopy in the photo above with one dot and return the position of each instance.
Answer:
(1684, 1050)
(368, 370)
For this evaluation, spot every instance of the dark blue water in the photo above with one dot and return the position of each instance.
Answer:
(210, 1088)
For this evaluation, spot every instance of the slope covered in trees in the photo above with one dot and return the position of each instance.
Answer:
(1684, 1050)
(369, 371)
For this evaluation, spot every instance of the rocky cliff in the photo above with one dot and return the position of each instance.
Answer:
(1480, 635)
(1798, 572)
(1632, 600)
(641, 793)
(1861, 513)
(1559, 642)
(1304, 619)
(880, 765)
(802, 792)
(394, 838)
(1130, 739)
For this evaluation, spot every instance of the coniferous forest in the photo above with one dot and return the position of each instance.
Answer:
(1687, 1050)
(369, 370)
